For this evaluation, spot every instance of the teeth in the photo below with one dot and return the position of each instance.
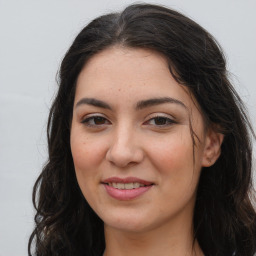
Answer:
(126, 185)
(137, 185)
(120, 185)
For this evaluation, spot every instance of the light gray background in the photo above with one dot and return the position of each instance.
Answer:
(34, 37)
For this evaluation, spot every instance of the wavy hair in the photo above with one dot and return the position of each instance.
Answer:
(224, 216)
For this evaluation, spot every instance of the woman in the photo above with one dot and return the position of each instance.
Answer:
(149, 145)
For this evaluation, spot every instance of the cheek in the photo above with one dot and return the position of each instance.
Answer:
(178, 176)
(173, 160)
(173, 154)
(87, 152)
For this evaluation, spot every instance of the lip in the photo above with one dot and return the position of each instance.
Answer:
(126, 194)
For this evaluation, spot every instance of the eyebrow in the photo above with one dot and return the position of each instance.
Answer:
(140, 105)
(157, 101)
(93, 102)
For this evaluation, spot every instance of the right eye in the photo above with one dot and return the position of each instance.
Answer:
(95, 121)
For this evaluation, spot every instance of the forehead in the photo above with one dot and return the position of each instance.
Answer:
(130, 74)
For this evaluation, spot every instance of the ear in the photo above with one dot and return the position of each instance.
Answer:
(212, 149)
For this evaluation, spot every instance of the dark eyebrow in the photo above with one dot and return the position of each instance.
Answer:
(140, 105)
(157, 101)
(93, 102)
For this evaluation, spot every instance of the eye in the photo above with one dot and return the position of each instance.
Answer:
(160, 121)
(95, 121)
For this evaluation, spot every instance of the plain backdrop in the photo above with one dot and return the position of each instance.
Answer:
(34, 37)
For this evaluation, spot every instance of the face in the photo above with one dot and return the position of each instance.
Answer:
(131, 141)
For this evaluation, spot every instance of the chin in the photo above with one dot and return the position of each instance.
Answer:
(128, 222)
(128, 227)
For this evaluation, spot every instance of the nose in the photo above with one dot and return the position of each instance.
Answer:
(124, 149)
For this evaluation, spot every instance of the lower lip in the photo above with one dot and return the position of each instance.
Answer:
(126, 194)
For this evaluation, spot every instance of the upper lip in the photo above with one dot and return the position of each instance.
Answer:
(127, 180)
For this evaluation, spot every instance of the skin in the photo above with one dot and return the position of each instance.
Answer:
(125, 141)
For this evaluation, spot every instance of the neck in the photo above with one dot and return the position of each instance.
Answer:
(165, 241)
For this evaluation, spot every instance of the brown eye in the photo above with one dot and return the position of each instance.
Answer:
(98, 120)
(160, 121)
(95, 121)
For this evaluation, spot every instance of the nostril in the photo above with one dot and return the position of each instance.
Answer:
(125, 152)
(124, 156)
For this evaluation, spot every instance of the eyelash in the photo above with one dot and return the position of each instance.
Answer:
(167, 121)
(87, 121)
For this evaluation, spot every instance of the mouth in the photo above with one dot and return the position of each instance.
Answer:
(127, 188)
(132, 185)
(126, 183)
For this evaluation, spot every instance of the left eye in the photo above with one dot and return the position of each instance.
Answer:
(160, 121)
(95, 121)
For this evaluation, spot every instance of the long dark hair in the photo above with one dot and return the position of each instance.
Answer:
(224, 217)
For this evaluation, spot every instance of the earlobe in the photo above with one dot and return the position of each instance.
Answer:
(212, 149)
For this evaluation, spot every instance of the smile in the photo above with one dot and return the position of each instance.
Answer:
(125, 189)
(131, 185)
